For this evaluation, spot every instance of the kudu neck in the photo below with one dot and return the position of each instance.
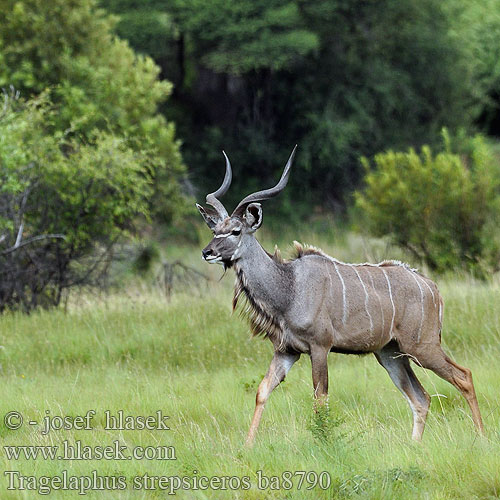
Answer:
(265, 278)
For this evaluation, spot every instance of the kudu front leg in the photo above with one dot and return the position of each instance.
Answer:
(280, 365)
(319, 365)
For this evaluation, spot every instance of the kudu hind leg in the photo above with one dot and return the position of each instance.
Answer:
(458, 376)
(280, 365)
(399, 369)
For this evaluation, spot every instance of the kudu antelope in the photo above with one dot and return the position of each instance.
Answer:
(316, 304)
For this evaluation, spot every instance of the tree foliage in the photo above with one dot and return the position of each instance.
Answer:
(63, 203)
(340, 78)
(97, 82)
(443, 207)
(82, 154)
(243, 36)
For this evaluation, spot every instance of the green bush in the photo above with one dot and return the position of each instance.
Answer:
(97, 82)
(444, 208)
(64, 202)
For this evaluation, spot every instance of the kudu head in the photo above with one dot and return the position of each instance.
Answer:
(232, 233)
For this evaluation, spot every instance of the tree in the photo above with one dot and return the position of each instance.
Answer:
(63, 203)
(479, 24)
(97, 82)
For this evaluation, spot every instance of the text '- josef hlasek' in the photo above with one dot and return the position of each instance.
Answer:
(118, 421)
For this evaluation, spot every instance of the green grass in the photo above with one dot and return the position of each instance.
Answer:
(194, 360)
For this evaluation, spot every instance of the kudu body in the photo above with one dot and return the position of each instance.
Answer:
(316, 304)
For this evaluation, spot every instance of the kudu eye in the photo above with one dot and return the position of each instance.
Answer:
(236, 232)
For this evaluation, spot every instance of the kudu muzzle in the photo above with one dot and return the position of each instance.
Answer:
(211, 254)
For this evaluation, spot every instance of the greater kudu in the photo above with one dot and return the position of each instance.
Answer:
(316, 304)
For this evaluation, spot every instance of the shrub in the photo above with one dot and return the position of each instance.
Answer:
(444, 208)
(63, 204)
(97, 82)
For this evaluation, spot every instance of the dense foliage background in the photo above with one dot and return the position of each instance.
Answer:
(342, 78)
(96, 81)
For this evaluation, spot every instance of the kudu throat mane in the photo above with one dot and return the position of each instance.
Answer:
(262, 321)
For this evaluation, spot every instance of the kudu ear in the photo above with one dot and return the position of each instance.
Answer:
(210, 217)
(253, 216)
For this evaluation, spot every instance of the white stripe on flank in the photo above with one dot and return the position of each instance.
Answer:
(421, 305)
(379, 301)
(430, 290)
(392, 301)
(366, 299)
(344, 304)
(331, 283)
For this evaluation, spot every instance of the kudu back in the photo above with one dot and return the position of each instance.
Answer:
(315, 304)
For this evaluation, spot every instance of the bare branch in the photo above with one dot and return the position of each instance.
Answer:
(33, 240)
(19, 236)
(21, 217)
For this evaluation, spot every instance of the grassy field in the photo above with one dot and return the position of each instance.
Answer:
(193, 360)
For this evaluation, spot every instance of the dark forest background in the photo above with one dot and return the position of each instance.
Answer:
(342, 78)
